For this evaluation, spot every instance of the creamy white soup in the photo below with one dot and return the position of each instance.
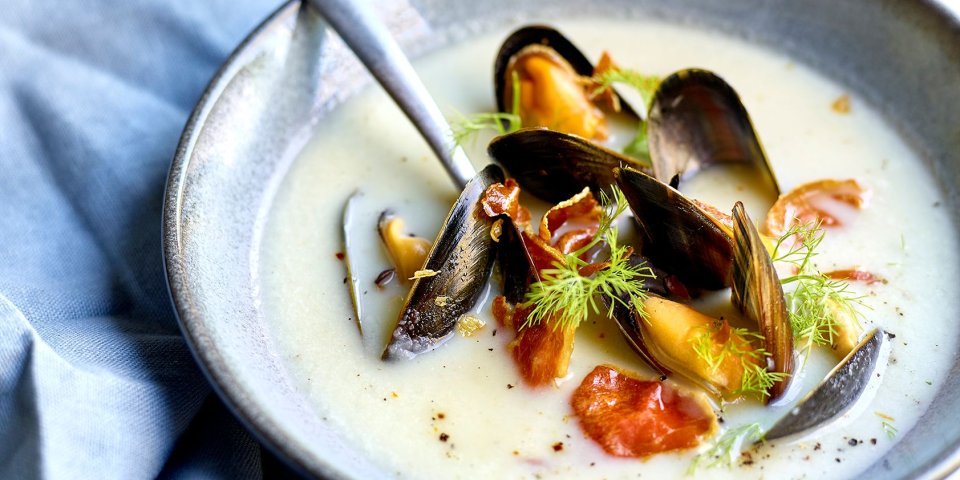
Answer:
(462, 411)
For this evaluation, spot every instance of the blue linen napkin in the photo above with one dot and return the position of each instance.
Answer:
(95, 378)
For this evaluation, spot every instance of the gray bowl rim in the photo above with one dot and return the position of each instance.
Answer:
(221, 381)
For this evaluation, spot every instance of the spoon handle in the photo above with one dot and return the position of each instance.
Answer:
(372, 43)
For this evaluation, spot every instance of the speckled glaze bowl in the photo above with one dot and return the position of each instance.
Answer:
(271, 94)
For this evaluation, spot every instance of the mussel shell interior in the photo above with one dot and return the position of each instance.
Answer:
(629, 321)
(697, 120)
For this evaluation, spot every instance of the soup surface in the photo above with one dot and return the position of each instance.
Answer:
(462, 411)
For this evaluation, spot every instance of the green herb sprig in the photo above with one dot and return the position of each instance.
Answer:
(646, 86)
(886, 424)
(725, 449)
(568, 297)
(466, 127)
(816, 301)
(756, 379)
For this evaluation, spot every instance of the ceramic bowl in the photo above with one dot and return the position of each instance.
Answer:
(263, 104)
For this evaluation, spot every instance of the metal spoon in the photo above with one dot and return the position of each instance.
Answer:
(372, 43)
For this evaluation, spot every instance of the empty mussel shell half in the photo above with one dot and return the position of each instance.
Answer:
(696, 120)
(555, 166)
(462, 258)
(675, 234)
(843, 388)
(757, 293)
(346, 229)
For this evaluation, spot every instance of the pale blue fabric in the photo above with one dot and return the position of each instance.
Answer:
(95, 378)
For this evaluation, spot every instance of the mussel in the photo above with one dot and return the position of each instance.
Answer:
(537, 35)
(844, 387)
(676, 234)
(460, 263)
(672, 337)
(347, 240)
(555, 166)
(757, 293)
(630, 322)
(553, 80)
(696, 120)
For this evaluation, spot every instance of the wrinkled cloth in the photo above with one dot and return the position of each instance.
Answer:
(96, 380)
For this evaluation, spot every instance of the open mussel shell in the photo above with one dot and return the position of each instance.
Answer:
(516, 265)
(555, 166)
(534, 35)
(697, 120)
(346, 230)
(844, 387)
(463, 256)
(630, 322)
(675, 234)
(544, 36)
(757, 293)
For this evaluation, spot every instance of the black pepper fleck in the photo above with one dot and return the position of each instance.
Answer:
(509, 386)
(817, 446)
(444, 437)
(852, 442)
(873, 441)
(558, 446)
(837, 459)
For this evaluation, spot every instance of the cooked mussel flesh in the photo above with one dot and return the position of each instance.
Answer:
(534, 35)
(661, 284)
(407, 252)
(552, 76)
